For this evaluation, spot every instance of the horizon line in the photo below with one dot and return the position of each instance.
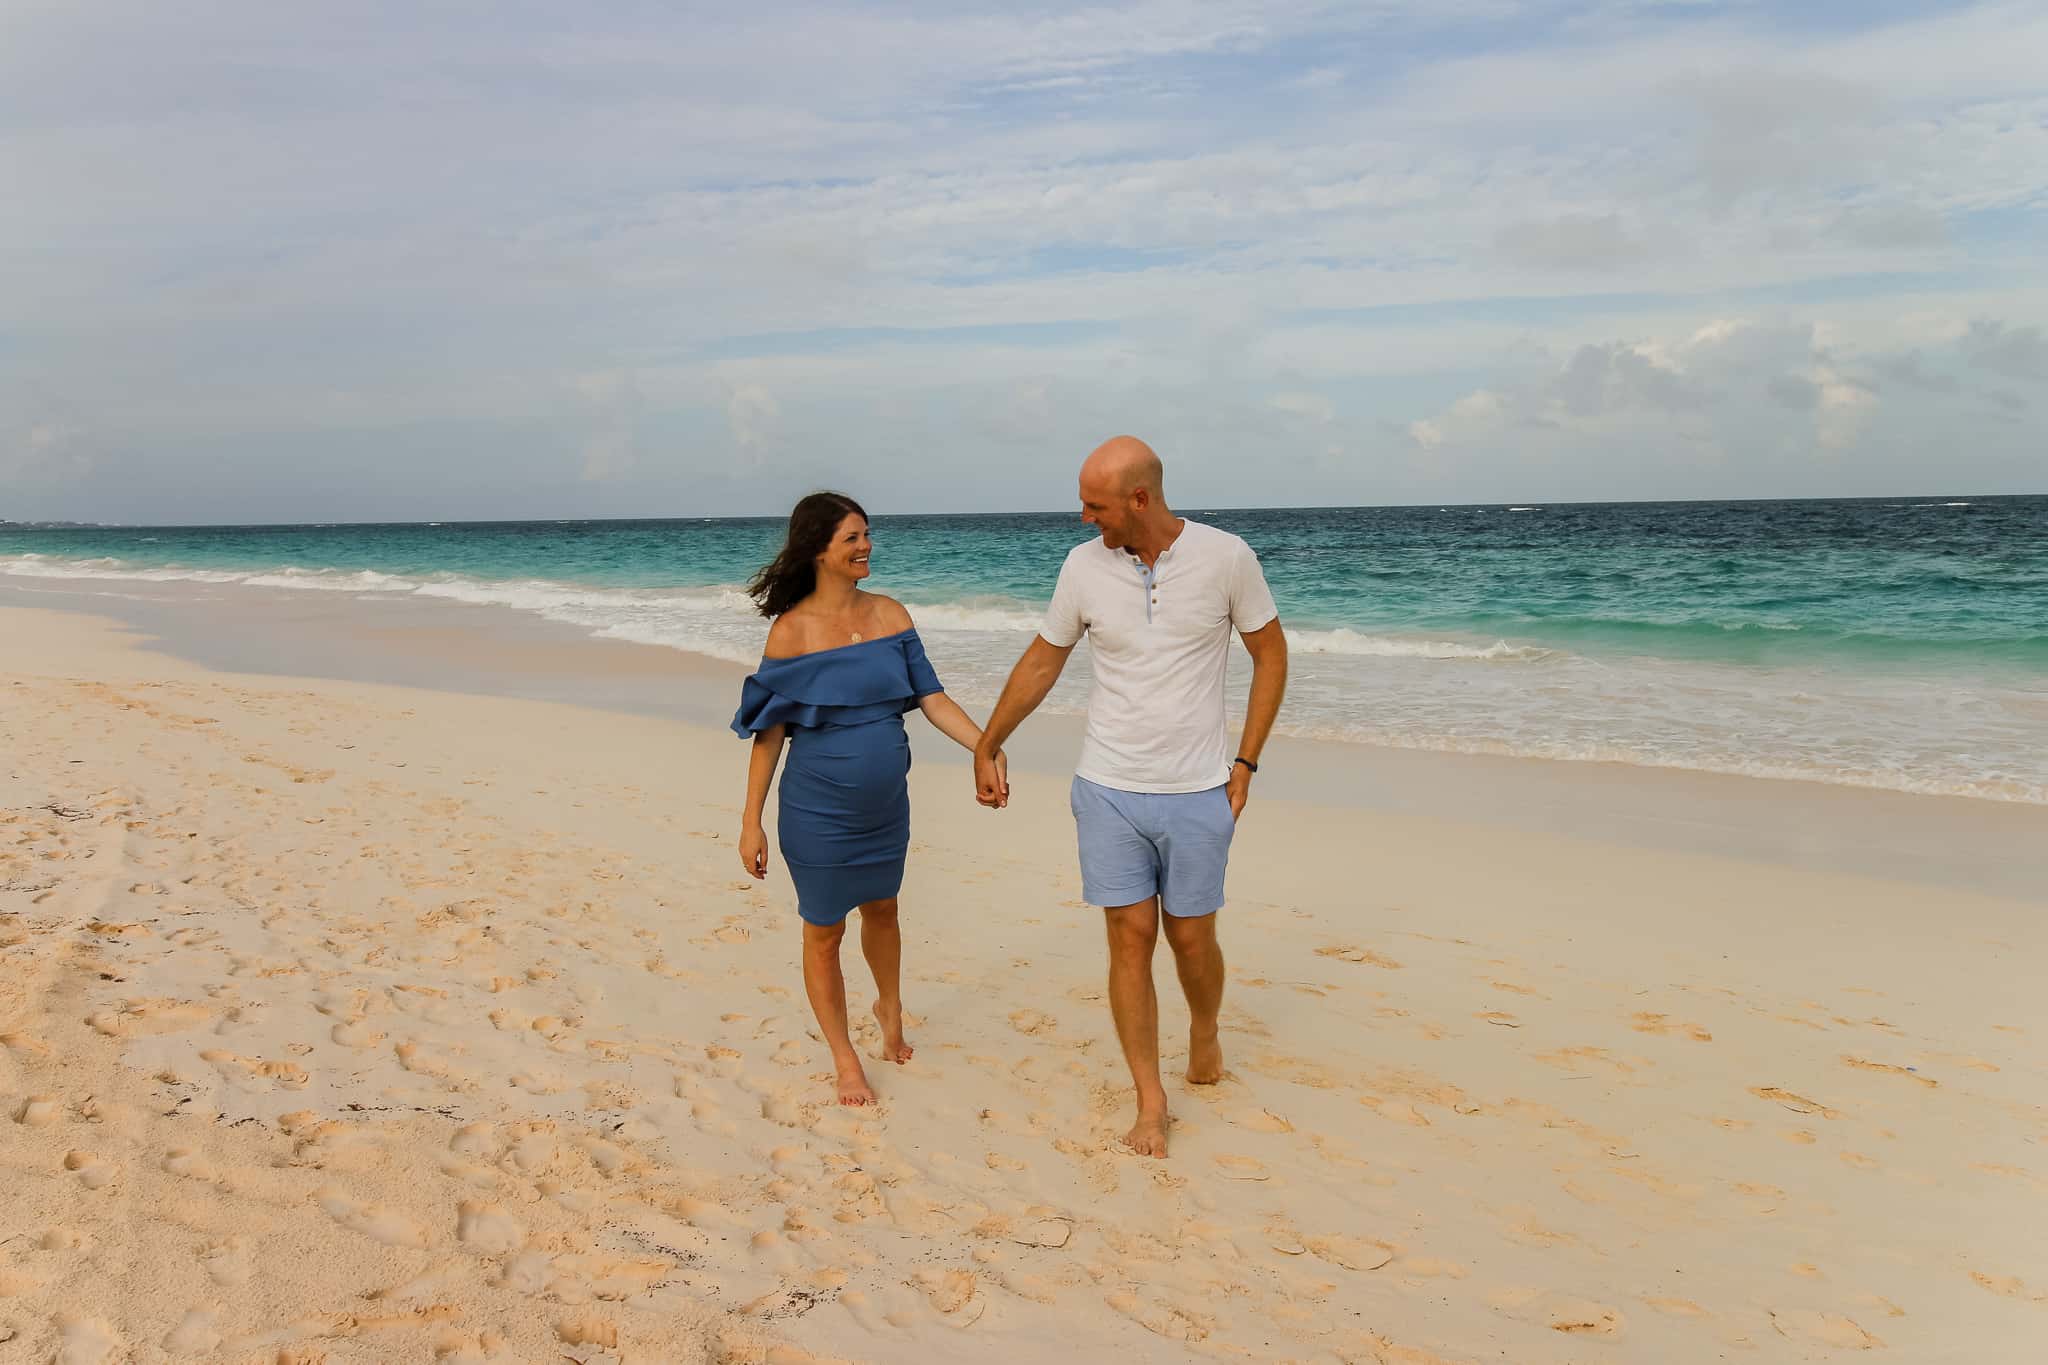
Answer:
(60, 523)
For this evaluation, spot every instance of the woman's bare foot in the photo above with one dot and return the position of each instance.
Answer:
(853, 1083)
(894, 1047)
(1205, 1060)
(1148, 1135)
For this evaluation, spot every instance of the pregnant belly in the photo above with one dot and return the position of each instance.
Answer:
(848, 771)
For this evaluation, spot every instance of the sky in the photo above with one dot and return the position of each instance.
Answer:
(398, 261)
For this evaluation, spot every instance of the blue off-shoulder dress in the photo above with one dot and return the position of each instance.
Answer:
(844, 805)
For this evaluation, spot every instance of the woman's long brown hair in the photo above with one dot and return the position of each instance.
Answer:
(793, 574)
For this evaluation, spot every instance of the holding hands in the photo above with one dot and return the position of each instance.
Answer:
(992, 779)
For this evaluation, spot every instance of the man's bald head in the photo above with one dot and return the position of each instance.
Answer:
(1124, 464)
(1123, 493)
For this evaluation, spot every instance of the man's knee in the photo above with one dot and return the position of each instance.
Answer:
(1133, 929)
(1194, 936)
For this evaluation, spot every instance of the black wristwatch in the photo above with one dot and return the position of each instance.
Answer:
(1247, 762)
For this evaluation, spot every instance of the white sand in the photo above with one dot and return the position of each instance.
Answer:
(353, 1023)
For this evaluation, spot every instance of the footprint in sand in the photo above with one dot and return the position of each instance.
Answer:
(588, 1329)
(1580, 1058)
(1036, 1288)
(1558, 1312)
(1259, 1120)
(896, 1311)
(1396, 1111)
(2008, 1286)
(1646, 1022)
(417, 1060)
(1286, 1241)
(38, 1111)
(142, 1018)
(1528, 1232)
(1823, 1329)
(1351, 1253)
(952, 1295)
(1430, 1267)
(92, 1172)
(1886, 1068)
(197, 1334)
(252, 1072)
(86, 1341)
(1172, 1321)
(487, 1229)
(377, 1223)
(1345, 952)
(1798, 1104)
(228, 1263)
(1030, 1021)
(1242, 1168)
(1051, 1233)
(539, 1082)
(192, 1165)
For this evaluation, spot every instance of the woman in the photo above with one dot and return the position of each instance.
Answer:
(840, 669)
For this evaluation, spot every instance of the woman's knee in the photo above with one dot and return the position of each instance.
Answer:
(879, 912)
(823, 938)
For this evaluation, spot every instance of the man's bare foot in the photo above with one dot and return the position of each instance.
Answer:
(853, 1083)
(1148, 1135)
(1205, 1060)
(894, 1048)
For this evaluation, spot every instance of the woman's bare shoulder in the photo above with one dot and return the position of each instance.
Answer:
(788, 636)
(891, 616)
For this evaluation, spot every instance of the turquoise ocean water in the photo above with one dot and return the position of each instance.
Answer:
(1898, 643)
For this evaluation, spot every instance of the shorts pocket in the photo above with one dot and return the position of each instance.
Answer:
(1227, 822)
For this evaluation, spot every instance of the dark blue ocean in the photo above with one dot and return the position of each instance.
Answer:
(1897, 643)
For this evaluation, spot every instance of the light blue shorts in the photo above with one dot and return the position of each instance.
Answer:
(1135, 845)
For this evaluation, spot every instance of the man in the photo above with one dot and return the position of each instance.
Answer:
(1158, 790)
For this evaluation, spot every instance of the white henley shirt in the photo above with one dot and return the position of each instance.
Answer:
(1159, 641)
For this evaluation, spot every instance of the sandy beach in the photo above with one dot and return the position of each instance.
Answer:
(349, 1021)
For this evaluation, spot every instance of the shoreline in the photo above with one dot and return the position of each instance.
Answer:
(1967, 843)
(491, 1030)
(1842, 694)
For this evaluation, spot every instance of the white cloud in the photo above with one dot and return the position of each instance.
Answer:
(1312, 406)
(1844, 405)
(51, 451)
(755, 418)
(1728, 381)
(2014, 352)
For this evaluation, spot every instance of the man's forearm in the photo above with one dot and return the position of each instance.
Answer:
(1262, 707)
(1028, 685)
